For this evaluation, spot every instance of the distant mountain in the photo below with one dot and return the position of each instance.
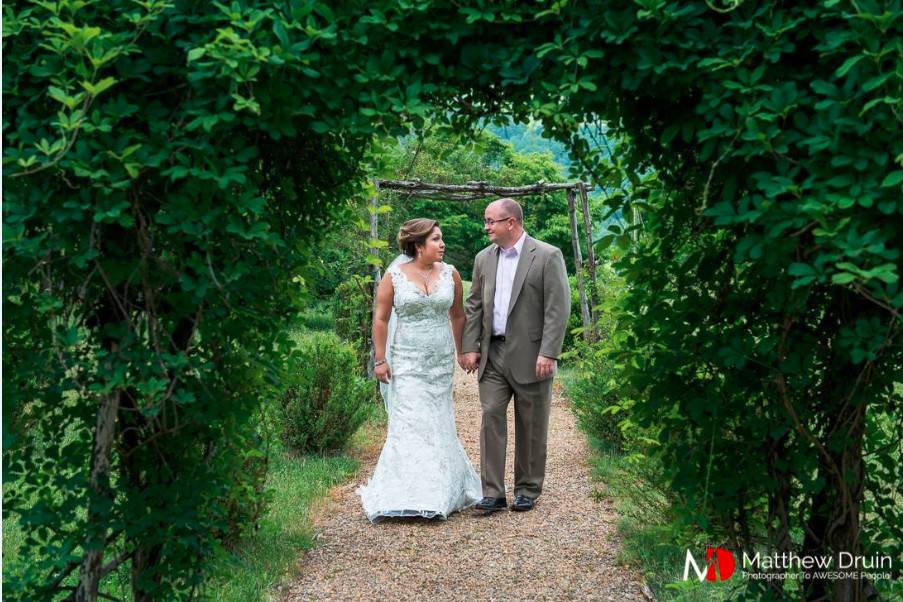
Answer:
(527, 138)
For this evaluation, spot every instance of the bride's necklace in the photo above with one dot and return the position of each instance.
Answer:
(425, 276)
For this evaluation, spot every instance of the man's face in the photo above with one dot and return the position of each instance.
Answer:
(498, 225)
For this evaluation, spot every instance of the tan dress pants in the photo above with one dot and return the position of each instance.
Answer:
(531, 427)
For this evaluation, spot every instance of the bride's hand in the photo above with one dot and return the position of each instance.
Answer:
(383, 373)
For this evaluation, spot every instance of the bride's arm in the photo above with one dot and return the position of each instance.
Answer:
(384, 295)
(456, 313)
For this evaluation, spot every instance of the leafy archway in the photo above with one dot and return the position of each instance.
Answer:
(166, 164)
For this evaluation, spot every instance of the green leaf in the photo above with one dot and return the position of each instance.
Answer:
(848, 64)
(669, 133)
(876, 81)
(843, 278)
(893, 178)
(95, 89)
(800, 269)
(876, 101)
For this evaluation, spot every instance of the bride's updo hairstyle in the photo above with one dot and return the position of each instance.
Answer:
(415, 232)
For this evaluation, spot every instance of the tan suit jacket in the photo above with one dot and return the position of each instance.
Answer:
(537, 313)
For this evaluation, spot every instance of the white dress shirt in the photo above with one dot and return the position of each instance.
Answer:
(504, 282)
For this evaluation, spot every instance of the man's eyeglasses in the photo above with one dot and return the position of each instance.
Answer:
(492, 222)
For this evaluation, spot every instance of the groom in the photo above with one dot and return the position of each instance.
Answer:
(517, 311)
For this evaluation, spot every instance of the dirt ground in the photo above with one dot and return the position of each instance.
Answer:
(566, 548)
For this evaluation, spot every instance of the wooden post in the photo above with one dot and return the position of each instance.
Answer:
(374, 235)
(377, 275)
(578, 263)
(590, 259)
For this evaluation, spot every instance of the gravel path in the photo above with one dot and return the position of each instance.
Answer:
(565, 548)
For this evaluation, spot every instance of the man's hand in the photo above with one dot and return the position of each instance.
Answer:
(545, 367)
(469, 361)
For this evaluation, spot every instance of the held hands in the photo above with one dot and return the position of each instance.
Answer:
(383, 373)
(545, 367)
(469, 362)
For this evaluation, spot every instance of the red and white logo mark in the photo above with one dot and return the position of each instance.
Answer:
(719, 565)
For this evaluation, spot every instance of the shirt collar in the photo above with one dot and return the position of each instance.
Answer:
(516, 249)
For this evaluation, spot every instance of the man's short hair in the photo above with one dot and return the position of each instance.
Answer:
(512, 208)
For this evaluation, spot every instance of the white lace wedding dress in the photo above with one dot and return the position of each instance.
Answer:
(423, 470)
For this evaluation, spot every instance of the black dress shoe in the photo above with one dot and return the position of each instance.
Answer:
(492, 504)
(522, 503)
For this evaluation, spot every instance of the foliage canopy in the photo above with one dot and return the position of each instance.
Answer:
(167, 164)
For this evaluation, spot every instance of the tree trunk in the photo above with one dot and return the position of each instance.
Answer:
(834, 524)
(146, 557)
(779, 504)
(90, 571)
(135, 432)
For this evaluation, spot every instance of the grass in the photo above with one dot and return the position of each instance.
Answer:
(264, 559)
(298, 486)
(319, 315)
(652, 540)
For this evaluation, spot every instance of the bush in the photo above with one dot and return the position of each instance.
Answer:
(325, 401)
(353, 316)
(594, 397)
(246, 499)
(596, 390)
(575, 320)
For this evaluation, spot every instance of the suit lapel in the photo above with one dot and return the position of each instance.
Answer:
(528, 253)
(492, 266)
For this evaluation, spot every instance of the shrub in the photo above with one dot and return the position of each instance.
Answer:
(596, 390)
(594, 397)
(325, 401)
(353, 316)
(575, 320)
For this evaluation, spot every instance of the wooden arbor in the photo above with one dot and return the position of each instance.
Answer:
(473, 191)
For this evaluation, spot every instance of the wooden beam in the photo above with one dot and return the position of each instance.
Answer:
(470, 191)
(578, 262)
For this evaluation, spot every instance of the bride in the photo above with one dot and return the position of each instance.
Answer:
(423, 470)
